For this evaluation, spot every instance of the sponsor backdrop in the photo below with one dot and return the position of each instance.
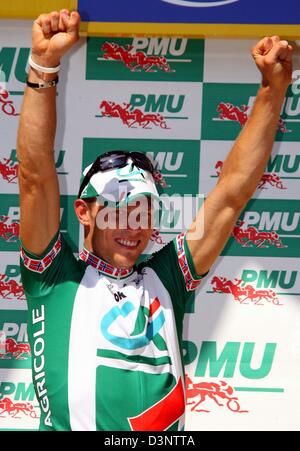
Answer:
(183, 102)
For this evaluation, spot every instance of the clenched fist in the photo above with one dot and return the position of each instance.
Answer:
(53, 35)
(273, 58)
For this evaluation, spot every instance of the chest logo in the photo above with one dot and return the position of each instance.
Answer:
(155, 320)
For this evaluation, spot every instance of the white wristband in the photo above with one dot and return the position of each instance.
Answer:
(45, 70)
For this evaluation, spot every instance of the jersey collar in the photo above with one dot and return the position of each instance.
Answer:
(104, 267)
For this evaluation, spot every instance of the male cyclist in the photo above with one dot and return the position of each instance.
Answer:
(106, 333)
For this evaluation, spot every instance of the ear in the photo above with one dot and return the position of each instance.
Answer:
(83, 212)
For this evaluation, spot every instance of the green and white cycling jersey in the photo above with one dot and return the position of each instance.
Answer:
(106, 342)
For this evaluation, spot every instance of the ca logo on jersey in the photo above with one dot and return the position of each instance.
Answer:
(138, 339)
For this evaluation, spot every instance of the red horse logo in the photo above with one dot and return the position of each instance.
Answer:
(130, 118)
(221, 393)
(271, 179)
(228, 111)
(15, 350)
(243, 293)
(8, 170)
(9, 231)
(134, 61)
(252, 235)
(7, 106)
(9, 408)
(10, 289)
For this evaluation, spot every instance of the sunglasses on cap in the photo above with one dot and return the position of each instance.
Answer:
(116, 159)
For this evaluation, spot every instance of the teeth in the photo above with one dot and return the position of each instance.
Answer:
(128, 243)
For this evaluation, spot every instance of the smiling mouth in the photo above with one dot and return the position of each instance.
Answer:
(128, 244)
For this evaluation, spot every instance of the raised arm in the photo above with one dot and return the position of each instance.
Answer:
(52, 36)
(245, 163)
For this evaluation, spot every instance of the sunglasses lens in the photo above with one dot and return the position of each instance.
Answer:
(112, 161)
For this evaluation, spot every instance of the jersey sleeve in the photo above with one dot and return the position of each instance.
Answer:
(175, 267)
(40, 274)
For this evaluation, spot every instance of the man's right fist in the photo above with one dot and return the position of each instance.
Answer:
(53, 35)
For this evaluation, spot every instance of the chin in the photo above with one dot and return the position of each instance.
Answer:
(126, 258)
(122, 261)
